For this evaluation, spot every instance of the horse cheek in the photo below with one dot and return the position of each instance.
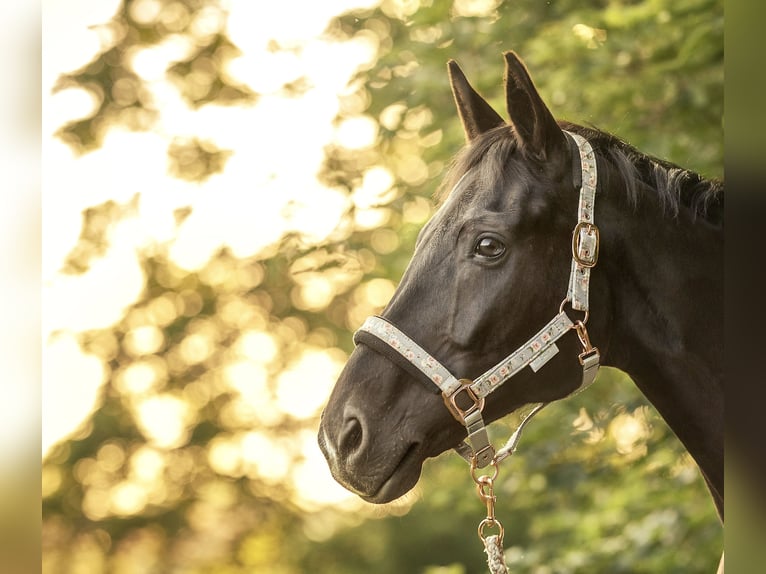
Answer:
(470, 308)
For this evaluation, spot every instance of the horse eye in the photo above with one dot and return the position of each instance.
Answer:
(489, 247)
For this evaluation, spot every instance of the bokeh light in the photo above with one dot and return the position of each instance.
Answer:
(158, 213)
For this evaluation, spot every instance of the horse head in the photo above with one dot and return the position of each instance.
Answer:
(489, 269)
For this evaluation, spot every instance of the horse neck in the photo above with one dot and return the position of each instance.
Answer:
(665, 278)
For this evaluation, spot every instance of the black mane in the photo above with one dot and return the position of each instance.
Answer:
(638, 173)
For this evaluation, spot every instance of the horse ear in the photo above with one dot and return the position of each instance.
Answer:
(475, 113)
(535, 125)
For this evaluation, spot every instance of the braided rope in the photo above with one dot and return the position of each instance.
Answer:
(495, 558)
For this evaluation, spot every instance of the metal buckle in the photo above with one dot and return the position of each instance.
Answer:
(585, 245)
(457, 411)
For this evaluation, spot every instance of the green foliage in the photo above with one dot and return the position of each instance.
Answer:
(600, 483)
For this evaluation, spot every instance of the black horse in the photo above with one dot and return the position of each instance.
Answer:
(492, 266)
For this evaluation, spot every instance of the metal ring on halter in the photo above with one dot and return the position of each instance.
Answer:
(478, 479)
(491, 522)
(568, 300)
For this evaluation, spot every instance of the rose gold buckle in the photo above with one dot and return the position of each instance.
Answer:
(460, 413)
(582, 256)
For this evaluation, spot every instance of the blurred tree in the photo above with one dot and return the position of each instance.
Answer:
(600, 483)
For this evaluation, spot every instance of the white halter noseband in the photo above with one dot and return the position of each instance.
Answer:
(537, 351)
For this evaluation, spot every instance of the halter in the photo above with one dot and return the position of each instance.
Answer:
(385, 338)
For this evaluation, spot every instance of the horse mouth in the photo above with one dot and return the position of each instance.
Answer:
(402, 479)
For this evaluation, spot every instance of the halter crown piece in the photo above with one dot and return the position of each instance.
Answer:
(385, 338)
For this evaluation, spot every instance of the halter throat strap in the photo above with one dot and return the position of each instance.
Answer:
(464, 397)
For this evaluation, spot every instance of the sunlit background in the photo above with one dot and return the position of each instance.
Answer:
(229, 188)
(272, 152)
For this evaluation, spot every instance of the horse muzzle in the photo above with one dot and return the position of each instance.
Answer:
(374, 474)
(370, 435)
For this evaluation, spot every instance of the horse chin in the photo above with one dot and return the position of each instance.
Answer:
(378, 483)
(402, 479)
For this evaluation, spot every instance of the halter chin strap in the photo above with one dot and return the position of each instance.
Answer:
(465, 398)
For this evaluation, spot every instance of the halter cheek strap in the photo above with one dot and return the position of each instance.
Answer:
(585, 238)
(465, 398)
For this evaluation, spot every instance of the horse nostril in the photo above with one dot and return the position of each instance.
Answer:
(351, 437)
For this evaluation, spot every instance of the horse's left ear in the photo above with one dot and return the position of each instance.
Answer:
(535, 125)
(475, 113)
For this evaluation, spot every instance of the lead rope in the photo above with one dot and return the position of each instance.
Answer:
(493, 544)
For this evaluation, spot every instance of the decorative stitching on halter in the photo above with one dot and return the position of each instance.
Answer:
(410, 350)
(523, 356)
(579, 276)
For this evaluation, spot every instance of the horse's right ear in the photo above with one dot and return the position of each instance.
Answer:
(475, 113)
